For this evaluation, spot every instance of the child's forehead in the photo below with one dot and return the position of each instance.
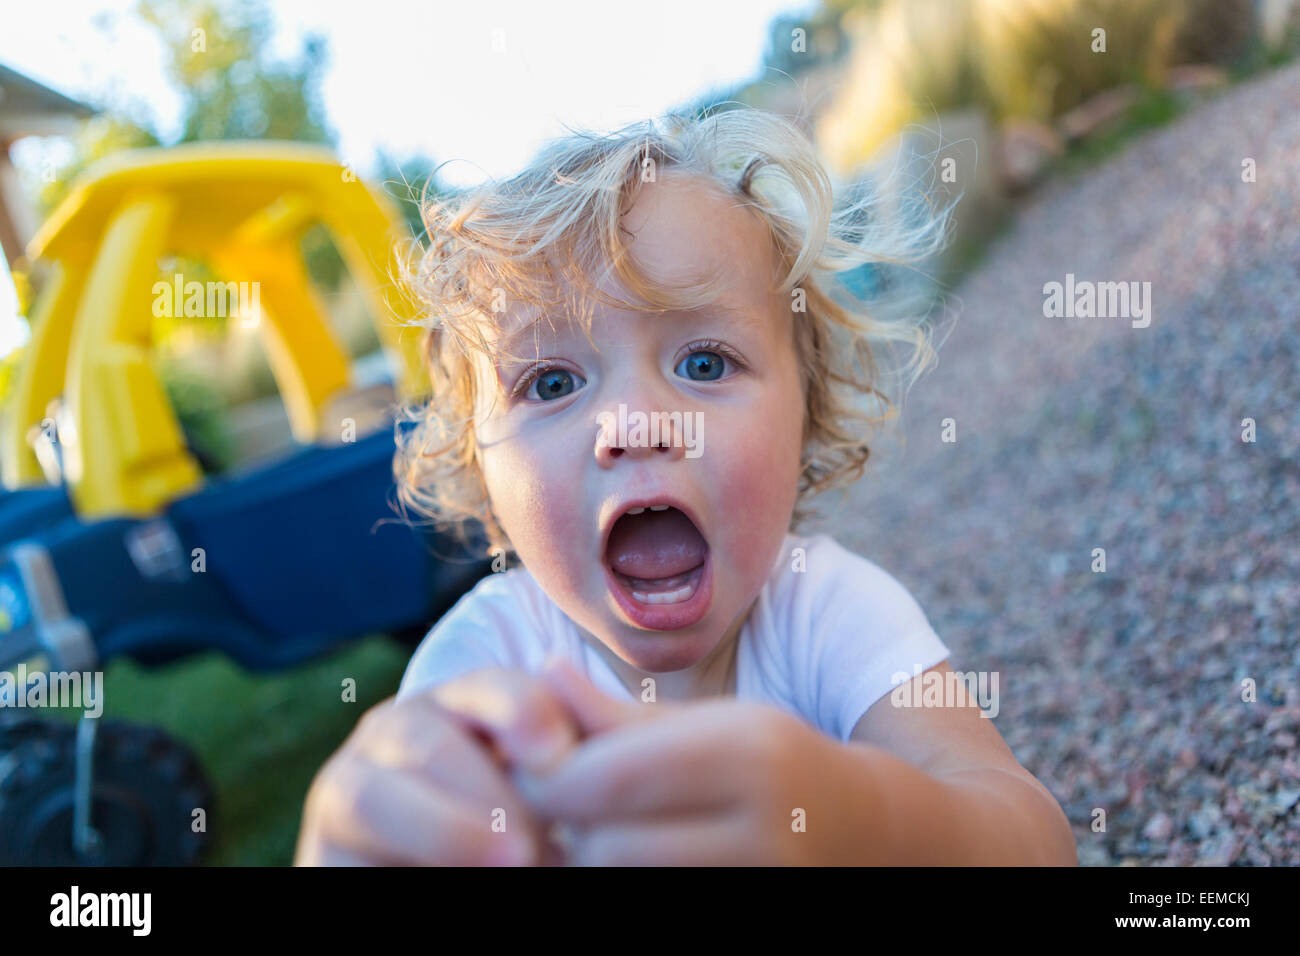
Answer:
(684, 225)
(680, 231)
(524, 335)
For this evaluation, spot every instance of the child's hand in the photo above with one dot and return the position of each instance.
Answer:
(704, 782)
(418, 783)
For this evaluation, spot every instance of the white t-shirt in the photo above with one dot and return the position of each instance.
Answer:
(824, 643)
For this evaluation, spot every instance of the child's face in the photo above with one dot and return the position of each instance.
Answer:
(658, 589)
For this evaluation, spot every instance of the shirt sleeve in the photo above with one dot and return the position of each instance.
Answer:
(480, 630)
(868, 634)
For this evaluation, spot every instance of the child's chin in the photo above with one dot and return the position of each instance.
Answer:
(664, 652)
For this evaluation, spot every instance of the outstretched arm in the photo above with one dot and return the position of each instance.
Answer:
(736, 782)
(960, 796)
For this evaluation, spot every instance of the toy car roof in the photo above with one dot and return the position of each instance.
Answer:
(217, 188)
(243, 207)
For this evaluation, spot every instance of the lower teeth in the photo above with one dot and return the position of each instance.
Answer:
(666, 597)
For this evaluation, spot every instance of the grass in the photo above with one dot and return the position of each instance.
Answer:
(261, 737)
(967, 253)
(1153, 108)
(1156, 107)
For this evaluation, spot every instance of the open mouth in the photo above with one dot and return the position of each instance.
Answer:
(658, 563)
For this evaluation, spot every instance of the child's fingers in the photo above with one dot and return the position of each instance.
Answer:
(705, 840)
(376, 811)
(420, 736)
(652, 767)
(320, 853)
(527, 723)
(592, 710)
(411, 786)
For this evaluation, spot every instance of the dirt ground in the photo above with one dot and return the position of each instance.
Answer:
(1123, 690)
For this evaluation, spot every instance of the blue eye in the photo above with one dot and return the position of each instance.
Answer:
(702, 366)
(553, 383)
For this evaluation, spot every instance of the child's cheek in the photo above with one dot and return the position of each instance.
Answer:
(755, 474)
(535, 497)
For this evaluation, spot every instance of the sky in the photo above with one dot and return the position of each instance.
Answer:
(476, 85)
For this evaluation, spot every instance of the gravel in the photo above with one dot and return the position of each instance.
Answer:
(1123, 690)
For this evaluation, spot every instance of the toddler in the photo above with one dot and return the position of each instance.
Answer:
(644, 362)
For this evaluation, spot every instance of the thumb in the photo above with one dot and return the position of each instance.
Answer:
(592, 710)
(513, 714)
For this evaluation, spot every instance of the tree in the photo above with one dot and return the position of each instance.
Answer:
(219, 57)
(822, 39)
(408, 182)
(98, 137)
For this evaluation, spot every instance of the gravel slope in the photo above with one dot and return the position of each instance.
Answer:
(1123, 690)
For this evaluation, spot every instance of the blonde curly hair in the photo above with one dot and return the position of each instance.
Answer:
(542, 238)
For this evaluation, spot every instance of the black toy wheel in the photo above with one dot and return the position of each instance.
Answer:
(147, 786)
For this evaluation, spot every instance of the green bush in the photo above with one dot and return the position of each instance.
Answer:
(200, 410)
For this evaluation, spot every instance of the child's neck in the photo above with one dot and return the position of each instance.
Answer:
(713, 676)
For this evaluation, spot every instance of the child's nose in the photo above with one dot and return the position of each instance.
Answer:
(624, 433)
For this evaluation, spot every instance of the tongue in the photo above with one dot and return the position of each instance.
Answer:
(655, 544)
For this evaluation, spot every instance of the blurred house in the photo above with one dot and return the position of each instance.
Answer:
(27, 109)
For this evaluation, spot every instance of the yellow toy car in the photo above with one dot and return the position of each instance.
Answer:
(116, 542)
